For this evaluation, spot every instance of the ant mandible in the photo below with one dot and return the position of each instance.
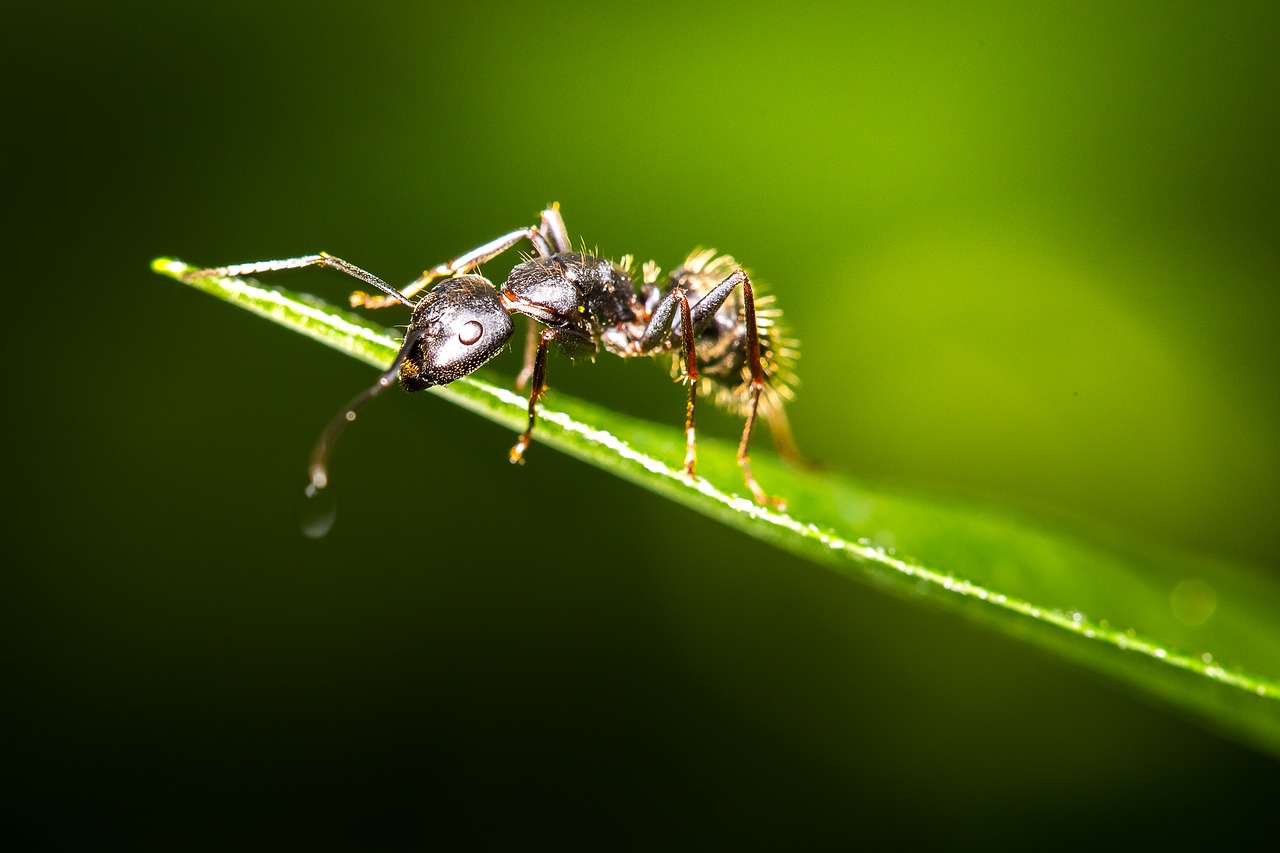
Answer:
(582, 302)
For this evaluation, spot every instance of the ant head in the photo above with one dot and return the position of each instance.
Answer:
(455, 328)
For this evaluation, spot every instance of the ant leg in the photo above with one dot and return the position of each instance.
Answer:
(552, 228)
(708, 305)
(661, 321)
(516, 455)
(784, 442)
(321, 260)
(658, 331)
(757, 386)
(573, 342)
(703, 313)
(690, 376)
(744, 460)
(530, 353)
(461, 264)
(697, 319)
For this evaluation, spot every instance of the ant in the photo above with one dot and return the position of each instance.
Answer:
(582, 302)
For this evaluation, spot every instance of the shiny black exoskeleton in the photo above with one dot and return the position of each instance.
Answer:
(582, 303)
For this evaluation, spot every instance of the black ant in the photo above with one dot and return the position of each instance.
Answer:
(582, 302)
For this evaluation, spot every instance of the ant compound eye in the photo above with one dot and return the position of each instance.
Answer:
(470, 332)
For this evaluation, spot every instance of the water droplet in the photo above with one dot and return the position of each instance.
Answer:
(886, 540)
(1160, 653)
(1193, 601)
(319, 510)
(1206, 657)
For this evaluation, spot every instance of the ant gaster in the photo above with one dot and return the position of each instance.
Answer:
(581, 303)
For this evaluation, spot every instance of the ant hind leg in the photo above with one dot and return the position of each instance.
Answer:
(702, 315)
(757, 388)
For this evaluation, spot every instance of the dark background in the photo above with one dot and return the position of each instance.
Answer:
(1031, 252)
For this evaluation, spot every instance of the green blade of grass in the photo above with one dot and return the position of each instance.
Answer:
(1200, 634)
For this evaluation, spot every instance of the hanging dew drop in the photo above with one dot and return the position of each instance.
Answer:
(319, 510)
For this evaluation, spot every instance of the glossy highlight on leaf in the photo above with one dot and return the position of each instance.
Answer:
(1202, 635)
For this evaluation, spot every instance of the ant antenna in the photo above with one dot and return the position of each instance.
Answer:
(319, 465)
(325, 259)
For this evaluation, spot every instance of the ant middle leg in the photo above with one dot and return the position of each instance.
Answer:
(697, 320)
(659, 331)
(780, 428)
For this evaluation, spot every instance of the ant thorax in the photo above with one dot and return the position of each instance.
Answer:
(579, 290)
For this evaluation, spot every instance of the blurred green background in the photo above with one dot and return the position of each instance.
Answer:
(1030, 250)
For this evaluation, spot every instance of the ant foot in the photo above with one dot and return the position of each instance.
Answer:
(360, 299)
(763, 499)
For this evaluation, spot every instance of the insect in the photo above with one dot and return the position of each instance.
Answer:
(718, 336)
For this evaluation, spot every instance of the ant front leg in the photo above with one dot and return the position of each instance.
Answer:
(321, 260)
(573, 342)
